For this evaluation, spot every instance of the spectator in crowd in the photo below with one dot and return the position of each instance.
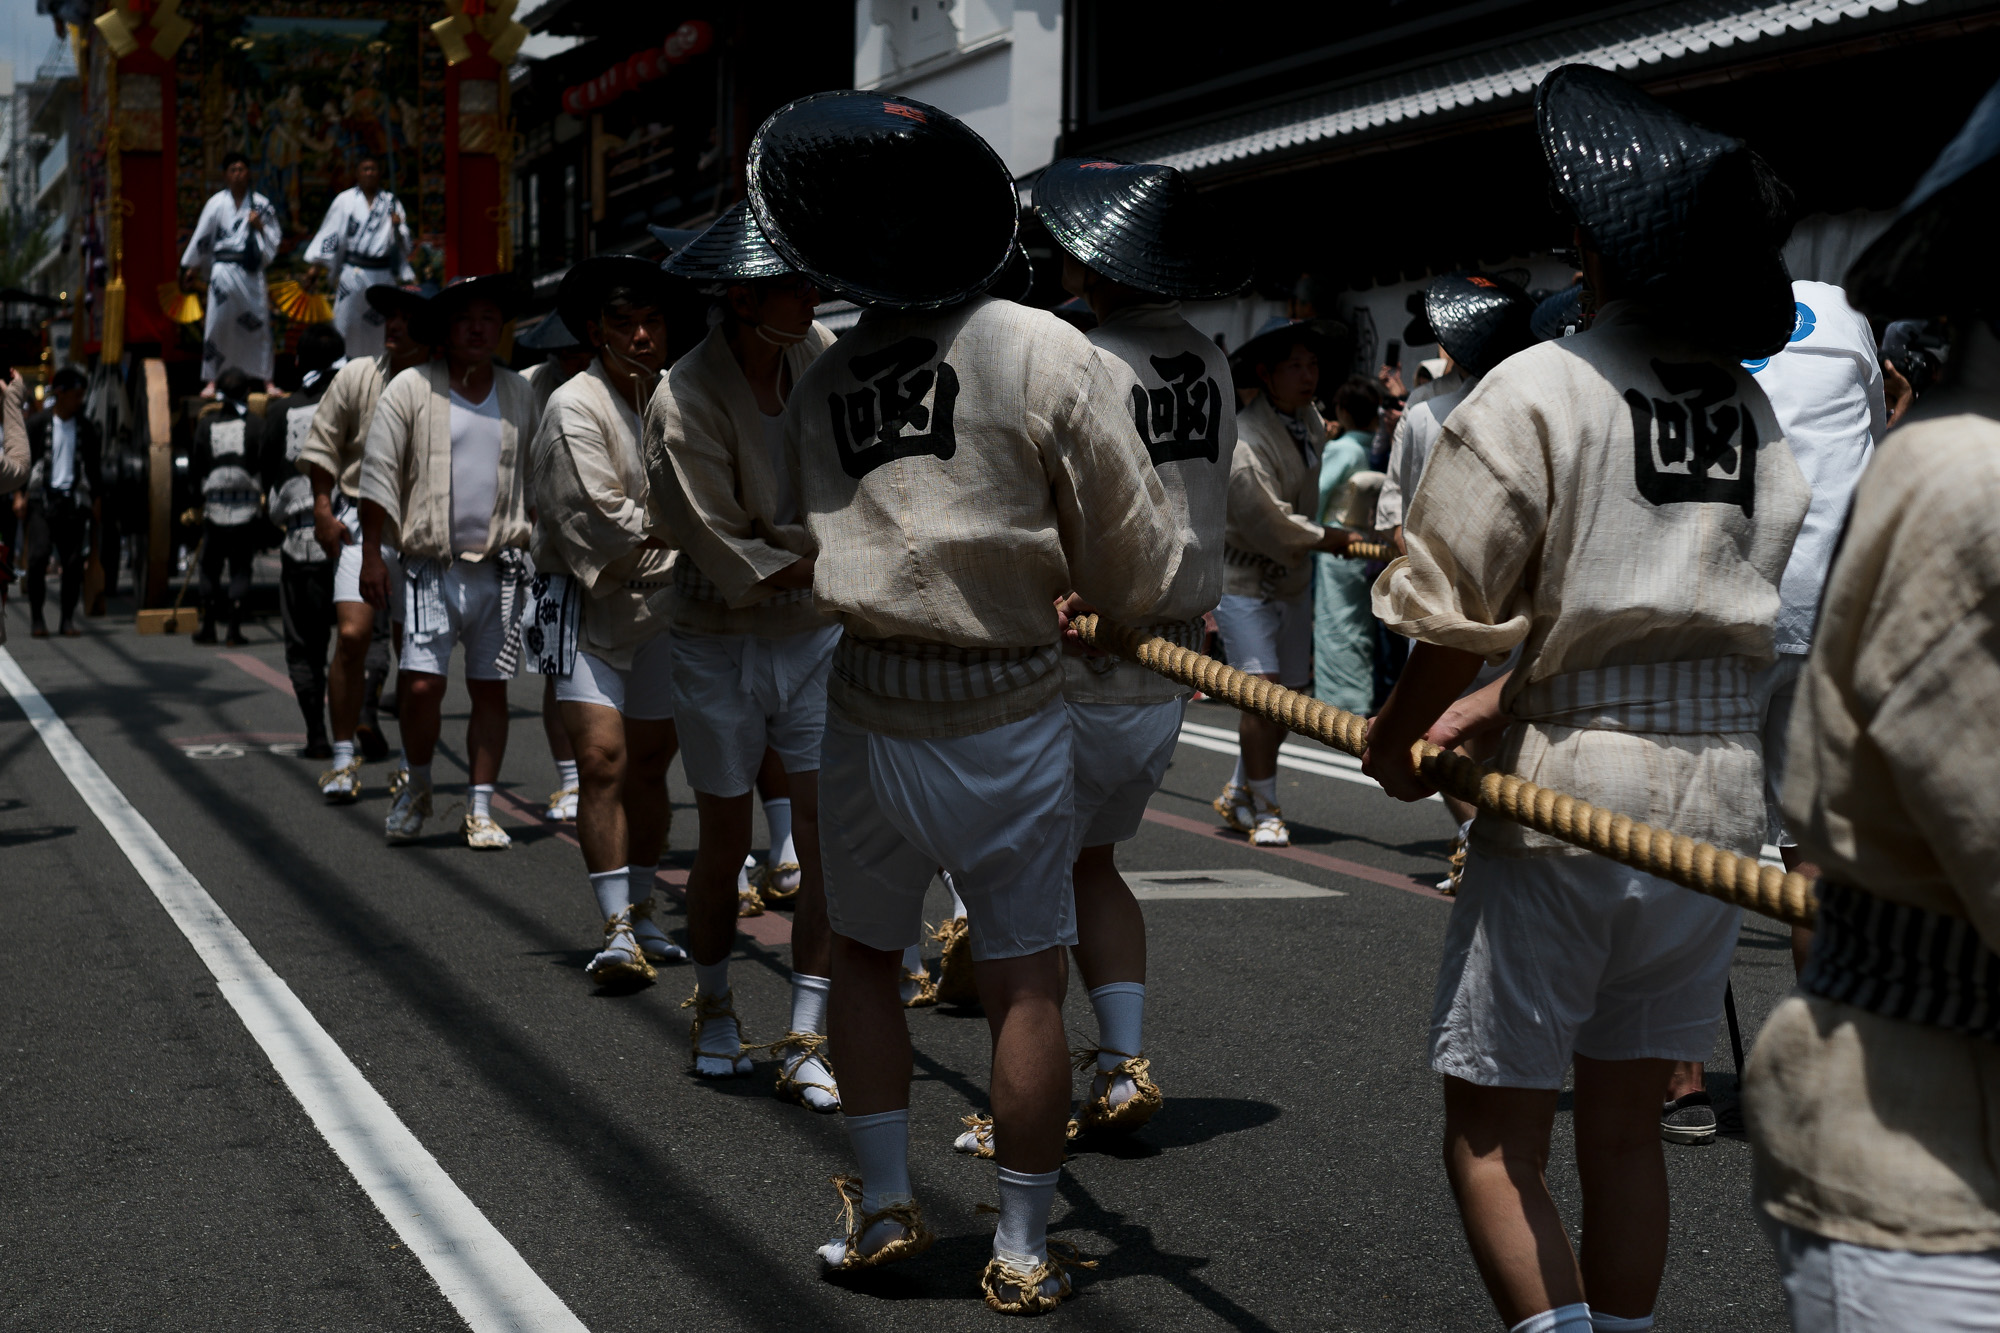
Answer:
(59, 504)
(305, 578)
(225, 463)
(1343, 624)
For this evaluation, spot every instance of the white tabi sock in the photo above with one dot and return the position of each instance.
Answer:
(343, 753)
(778, 814)
(882, 1151)
(1611, 1323)
(613, 889)
(1266, 789)
(1121, 1020)
(1465, 830)
(1562, 1319)
(809, 1002)
(566, 778)
(719, 1053)
(479, 799)
(420, 774)
(1021, 1239)
(957, 903)
(809, 1015)
(1239, 778)
(913, 964)
(712, 978)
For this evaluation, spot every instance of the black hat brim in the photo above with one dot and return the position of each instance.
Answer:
(885, 200)
(387, 299)
(509, 291)
(1479, 321)
(549, 334)
(674, 239)
(731, 249)
(1017, 279)
(590, 282)
(1141, 225)
(1331, 341)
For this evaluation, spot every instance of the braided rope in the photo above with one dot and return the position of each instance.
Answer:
(1370, 551)
(1741, 880)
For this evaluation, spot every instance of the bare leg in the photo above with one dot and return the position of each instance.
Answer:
(865, 1019)
(486, 731)
(601, 824)
(650, 748)
(421, 702)
(1624, 1176)
(553, 723)
(1031, 1084)
(772, 782)
(1110, 928)
(811, 935)
(1260, 740)
(347, 678)
(711, 904)
(1683, 1077)
(1496, 1155)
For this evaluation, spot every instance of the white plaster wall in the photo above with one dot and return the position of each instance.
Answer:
(1035, 86)
(975, 91)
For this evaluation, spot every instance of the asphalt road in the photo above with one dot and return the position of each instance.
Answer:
(159, 1175)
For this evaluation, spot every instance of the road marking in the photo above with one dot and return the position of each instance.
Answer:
(1182, 884)
(1352, 869)
(1321, 762)
(479, 1271)
(262, 670)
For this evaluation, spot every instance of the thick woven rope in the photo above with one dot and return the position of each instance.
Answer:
(1701, 866)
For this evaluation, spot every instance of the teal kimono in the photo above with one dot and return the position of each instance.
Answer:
(1343, 624)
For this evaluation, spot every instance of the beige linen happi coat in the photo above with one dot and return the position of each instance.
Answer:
(1184, 411)
(587, 488)
(717, 487)
(407, 469)
(1616, 499)
(339, 435)
(1273, 494)
(959, 471)
(1870, 1129)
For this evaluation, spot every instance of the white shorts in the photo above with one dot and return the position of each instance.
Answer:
(1779, 686)
(735, 694)
(992, 809)
(1546, 957)
(1835, 1287)
(643, 692)
(347, 568)
(1268, 637)
(471, 592)
(1122, 752)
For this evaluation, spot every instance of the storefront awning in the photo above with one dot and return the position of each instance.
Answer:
(1651, 44)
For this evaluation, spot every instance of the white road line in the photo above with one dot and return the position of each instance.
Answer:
(480, 1273)
(1322, 763)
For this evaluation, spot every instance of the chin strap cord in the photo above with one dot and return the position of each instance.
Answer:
(1741, 880)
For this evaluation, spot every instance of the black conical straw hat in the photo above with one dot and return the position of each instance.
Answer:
(1480, 320)
(731, 250)
(885, 200)
(587, 283)
(1142, 225)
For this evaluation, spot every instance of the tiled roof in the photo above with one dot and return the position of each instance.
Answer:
(1651, 40)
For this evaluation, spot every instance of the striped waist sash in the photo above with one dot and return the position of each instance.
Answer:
(939, 672)
(1711, 695)
(1903, 962)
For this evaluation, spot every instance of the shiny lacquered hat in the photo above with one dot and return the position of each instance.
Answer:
(509, 291)
(1141, 225)
(1936, 257)
(882, 199)
(1329, 340)
(1480, 320)
(1682, 217)
(731, 250)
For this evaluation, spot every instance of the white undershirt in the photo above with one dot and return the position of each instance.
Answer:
(787, 508)
(475, 470)
(62, 454)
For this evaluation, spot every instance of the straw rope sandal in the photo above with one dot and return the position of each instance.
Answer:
(749, 902)
(954, 980)
(1134, 1111)
(845, 1255)
(926, 993)
(1012, 1291)
(621, 962)
(790, 1087)
(770, 882)
(977, 1138)
(1456, 869)
(707, 1008)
